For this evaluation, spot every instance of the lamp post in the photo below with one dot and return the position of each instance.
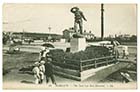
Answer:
(49, 28)
(49, 36)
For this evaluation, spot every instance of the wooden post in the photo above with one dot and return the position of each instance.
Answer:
(81, 69)
(116, 60)
(106, 60)
(95, 65)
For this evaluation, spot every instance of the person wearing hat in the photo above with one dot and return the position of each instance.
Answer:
(36, 72)
(43, 52)
(42, 71)
(49, 71)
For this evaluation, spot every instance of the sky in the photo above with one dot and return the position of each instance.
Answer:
(118, 18)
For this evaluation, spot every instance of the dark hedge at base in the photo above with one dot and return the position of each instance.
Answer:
(91, 52)
(57, 55)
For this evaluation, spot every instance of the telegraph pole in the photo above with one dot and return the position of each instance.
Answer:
(102, 21)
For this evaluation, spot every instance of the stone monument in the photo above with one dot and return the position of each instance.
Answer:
(78, 41)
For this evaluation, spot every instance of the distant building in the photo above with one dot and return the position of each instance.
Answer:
(124, 36)
(111, 36)
(67, 34)
(88, 35)
(36, 36)
(17, 35)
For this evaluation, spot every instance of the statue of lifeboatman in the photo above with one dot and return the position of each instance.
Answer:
(78, 19)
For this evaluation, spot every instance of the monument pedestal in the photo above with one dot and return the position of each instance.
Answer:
(77, 44)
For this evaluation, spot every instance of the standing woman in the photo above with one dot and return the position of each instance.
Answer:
(115, 48)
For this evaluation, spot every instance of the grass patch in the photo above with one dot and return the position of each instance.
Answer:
(17, 61)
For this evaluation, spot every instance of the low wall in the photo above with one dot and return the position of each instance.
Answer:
(82, 69)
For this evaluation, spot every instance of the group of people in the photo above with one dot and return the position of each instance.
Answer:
(43, 68)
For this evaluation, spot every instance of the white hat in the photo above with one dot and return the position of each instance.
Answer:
(43, 48)
(42, 62)
(36, 63)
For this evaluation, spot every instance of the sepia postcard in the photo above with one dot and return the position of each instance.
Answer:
(69, 46)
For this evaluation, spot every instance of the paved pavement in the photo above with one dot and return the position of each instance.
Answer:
(26, 81)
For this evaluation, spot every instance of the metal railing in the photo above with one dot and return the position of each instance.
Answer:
(83, 65)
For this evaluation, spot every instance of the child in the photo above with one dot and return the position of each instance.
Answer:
(36, 72)
(42, 71)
